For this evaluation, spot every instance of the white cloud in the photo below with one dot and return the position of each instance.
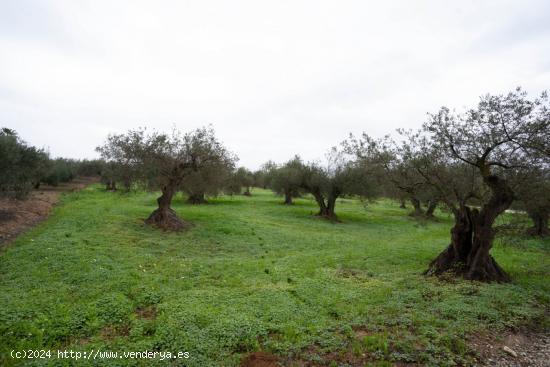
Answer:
(274, 78)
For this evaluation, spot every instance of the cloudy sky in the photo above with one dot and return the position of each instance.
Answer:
(274, 78)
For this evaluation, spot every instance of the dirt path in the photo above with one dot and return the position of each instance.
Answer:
(18, 215)
(520, 349)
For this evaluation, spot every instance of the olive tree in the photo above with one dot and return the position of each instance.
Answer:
(339, 176)
(287, 179)
(110, 175)
(121, 165)
(60, 170)
(395, 170)
(469, 159)
(533, 192)
(242, 177)
(163, 161)
(206, 177)
(263, 176)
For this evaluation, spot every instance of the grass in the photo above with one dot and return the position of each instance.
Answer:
(251, 275)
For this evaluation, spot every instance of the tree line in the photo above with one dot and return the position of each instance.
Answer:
(475, 164)
(24, 167)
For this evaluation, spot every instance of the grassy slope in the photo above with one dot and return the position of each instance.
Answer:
(251, 274)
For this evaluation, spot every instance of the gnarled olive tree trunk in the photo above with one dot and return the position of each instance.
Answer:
(540, 223)
(432, 204)
(127, 184)
(417, 212)
(196, 198)
(288, 197)
(320, 199)
(110, 185)
(472, 238)
(326, 206)
(165, 217)
(331, 205)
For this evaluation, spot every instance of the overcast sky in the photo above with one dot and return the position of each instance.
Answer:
(274, 78)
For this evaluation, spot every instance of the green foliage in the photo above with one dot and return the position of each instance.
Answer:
(92, 167)
(211, 167)
(78, 281)
(242, 177)
(195, 162)
(61, 170)
(287, 180)
(21, 166)
(113, 308)
(377, 344)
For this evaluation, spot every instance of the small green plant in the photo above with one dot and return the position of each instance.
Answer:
(376, 344)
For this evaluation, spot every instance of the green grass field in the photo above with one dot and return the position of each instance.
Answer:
(252, 274)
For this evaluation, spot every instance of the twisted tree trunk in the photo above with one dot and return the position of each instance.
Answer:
(165, 217)
(196, 198)
(331, 205)
(127, 185)
(288, 197)
(110, 185)
(432, 204)
(540, 223)
(472, 238)
(327, 206)
(320, 199)
(417, 212)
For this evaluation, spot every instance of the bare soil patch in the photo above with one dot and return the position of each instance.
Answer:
(513, 349)
(260, 359)
(111, 332)
(147, 313)
(16, 216)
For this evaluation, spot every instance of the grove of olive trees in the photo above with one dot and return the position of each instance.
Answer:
(274, 183)
(474, 164)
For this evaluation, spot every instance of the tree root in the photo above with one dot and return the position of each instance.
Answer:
(167, 220)
(486, 271)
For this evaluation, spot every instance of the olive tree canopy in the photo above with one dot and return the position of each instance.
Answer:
(206, 177)
(286, 180)
(393, 163)
(242, 177)
(533, 194)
